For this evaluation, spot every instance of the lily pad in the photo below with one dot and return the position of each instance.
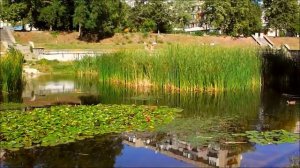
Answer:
(65, 124)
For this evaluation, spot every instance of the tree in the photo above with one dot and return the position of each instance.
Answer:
(53, 15)
(233, 17)
(296, 25)
(157, 11)
(245, 18)
(80, 15)
(14, 12)
(148, 25)
(282, 15)
(216, 13)
(181, 15)
(97, 18)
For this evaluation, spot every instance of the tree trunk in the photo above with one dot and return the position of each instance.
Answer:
(23, 26)
(79, 30)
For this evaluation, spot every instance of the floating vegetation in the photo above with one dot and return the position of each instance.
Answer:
(202, 132)
(223, 130)
(64, 124)
(270, 137)
(11, 106)
(190, 68)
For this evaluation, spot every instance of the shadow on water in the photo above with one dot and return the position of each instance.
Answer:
(281, 72)
(96, 152)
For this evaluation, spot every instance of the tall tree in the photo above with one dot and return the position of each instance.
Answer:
(14, 12)
(154, 11)
(97, 18)
(233, 17)
(180, 10)
(53, 15)
(81, 14)
(282, 15)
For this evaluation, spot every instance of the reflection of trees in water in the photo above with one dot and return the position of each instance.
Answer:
(276, 113)
(90, 100)
(96, 152)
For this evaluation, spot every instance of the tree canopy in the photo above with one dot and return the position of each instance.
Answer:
(155, 15)
(282, 15)
(233, 17)
(97, 19)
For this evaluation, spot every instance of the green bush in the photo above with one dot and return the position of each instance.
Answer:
(199, 33)
(148, 25)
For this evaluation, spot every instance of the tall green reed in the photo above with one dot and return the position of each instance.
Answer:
(11, 67)
(192, 68)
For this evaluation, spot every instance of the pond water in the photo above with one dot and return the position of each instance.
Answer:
(261, 110)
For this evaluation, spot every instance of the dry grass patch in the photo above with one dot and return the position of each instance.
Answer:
(127, 41)
(225, 41)
(2, 49)
(292, 42)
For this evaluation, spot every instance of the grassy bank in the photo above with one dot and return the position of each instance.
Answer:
(52, 67)
(121, 41)
(191, 68)
(11, 66)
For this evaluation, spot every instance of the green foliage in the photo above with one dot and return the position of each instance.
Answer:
(199, 33)
(53, 67)
(282, 15)
(14, 12)
(154, 11)
(233, 17)
(149, 26)
(80, 14)
(11, 67)
(194, 68)
(65, 124)
(213, 33)
(11, 106)
(270, 137)
(98, 19)
(182, 17)
(53, 15)
(204, 131)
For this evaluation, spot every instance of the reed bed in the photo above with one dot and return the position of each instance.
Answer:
(11, 67)
(190, 68)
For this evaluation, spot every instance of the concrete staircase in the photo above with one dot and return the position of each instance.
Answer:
(262, 40)
(6, 36)
(8, 39)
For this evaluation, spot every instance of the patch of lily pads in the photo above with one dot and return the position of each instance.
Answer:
(65, 124)
(270, 137)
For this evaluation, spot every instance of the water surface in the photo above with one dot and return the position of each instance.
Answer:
(261, 110)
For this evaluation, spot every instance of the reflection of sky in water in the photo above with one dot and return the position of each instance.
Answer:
(270, 155)
(142, 157)
(57, 87)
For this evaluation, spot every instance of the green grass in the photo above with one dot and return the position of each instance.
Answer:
(53, 67)
(191, 68)
(91, 46)
(11, 66)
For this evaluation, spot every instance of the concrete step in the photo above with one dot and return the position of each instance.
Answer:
(5, 36)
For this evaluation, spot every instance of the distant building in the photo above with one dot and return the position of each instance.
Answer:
(197, 15)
